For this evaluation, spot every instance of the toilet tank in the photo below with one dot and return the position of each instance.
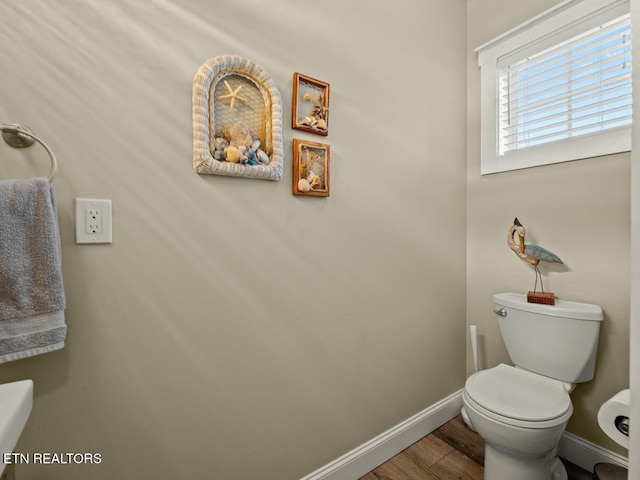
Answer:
(558, 341)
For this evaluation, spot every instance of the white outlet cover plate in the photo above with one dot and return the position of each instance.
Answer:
(83, 235)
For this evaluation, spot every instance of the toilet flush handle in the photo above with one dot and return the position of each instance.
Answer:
(500, 311)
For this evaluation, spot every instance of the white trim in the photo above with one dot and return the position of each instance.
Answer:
(586, 454)
(634, 312)
(361, 460)
(529, 23)
(369, 455)
(556, 18)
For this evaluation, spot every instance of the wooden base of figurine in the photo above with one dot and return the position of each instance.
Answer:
(546, 298)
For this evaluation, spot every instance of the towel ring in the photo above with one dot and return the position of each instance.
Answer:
(21, 136)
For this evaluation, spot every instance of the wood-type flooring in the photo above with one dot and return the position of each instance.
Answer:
(452, 452)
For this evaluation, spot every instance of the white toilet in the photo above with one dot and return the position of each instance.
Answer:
(521, 411)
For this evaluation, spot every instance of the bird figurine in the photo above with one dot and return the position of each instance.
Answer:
(532, 254)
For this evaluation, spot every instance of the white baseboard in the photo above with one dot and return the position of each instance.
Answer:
(586, 454)
(369, 455)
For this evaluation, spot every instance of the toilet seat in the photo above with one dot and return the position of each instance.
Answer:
(518, 397)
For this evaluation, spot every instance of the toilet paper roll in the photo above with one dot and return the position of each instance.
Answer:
(613, 417)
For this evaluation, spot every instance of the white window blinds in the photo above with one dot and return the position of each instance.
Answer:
(557, 87)
(578, 87)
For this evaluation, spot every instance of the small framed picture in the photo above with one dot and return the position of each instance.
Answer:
(310, 168)
(310, 105)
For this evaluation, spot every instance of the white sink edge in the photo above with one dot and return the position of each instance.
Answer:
(16, 400)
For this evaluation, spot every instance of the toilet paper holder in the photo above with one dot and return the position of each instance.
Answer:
(622, 424)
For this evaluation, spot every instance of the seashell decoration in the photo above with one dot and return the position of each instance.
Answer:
(306, 184)
(310, 104)
(238, 146)
(237, 120)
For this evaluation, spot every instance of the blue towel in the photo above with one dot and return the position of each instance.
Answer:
(32, 298)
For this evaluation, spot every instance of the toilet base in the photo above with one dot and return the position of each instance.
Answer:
(499, 466)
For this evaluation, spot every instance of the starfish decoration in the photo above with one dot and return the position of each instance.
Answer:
(233, 94)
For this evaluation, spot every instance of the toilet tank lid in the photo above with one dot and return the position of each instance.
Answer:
(562, 308)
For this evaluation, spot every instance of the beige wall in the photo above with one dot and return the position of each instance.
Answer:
(579, 210)
(233, 330)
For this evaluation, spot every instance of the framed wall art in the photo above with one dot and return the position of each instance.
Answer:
(237, 120)
(311, 168)
(310, 105)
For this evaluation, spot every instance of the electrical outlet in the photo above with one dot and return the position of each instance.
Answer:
(93, 220)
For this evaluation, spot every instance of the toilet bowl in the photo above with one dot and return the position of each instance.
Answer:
(521, 416)
(521, 411)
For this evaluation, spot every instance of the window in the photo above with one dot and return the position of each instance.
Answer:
(558, 88)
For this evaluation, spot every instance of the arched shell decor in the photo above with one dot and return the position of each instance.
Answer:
(237, 120)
